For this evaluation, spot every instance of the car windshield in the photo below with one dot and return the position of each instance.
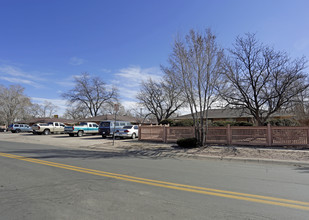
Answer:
(105, 124)
(50, 123)
(83, 123)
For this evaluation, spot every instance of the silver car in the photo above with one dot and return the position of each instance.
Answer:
(16, 128)
(130, 131)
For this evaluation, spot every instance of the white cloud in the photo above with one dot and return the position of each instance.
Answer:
(128, 81)
(128, 93)
(21, 81)
(15, 71)
(129, 104)
(132, 76)
(76, 61)
(14, 74)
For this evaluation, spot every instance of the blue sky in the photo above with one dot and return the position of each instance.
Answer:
(44, 44)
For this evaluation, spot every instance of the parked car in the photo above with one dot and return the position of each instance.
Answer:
(130, 131)
(50, 127)
(16, 128)
(107, 128)
(3, 128)
(81, 129)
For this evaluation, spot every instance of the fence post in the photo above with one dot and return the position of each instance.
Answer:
(139, 132)
(164, 134)
(308, 137)
(229, 134)
(269, 137)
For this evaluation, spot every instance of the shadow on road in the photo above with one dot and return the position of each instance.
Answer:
(158, 153)
(302, 169)
(62, 136)
(91, 137)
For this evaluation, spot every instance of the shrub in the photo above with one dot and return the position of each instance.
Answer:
(187, 142)
(242, 123)
(184, 123)
(232, 123)
(221, 123)
(283, 122)
(167, 121)
(180, 123)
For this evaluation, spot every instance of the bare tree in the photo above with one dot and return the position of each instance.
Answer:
(90, 92)
(142, 115)
(13, 103)
(34, 110)
(161, 99)
(47, 109)
(76, 112)
(262, 80)
(109, 109)
(195, 66)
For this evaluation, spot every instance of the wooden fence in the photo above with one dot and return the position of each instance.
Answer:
(267, 135)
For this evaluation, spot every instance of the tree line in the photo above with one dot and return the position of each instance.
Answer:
(250, 75)
(89, 97)
(15, 106)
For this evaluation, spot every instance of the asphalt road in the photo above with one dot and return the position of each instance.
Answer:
(50, 182)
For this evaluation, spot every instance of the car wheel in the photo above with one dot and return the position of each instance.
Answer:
(46, 132)
(133, 136)
(13, 131)
(80, 133)
(71, 135)
(17, 130)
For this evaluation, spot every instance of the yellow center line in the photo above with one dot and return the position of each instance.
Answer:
(201, 190)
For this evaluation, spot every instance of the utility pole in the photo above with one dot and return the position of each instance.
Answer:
(116, 109)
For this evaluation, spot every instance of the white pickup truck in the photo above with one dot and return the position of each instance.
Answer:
(81, 129)
(48, 128)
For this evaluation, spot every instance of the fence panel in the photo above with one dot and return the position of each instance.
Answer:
(217, 135)
(175, 133)
(289, 135)
(152, 133)
(249, 135)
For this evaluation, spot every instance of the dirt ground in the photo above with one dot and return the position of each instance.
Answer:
(153, 149)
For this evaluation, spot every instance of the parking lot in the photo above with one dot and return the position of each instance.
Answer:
(85, 142)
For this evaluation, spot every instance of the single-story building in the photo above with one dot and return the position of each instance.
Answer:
(235, 115)
(133, 120)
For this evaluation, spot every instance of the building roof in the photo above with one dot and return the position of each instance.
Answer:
(131, 119)
(110, 117)
(230, 113)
